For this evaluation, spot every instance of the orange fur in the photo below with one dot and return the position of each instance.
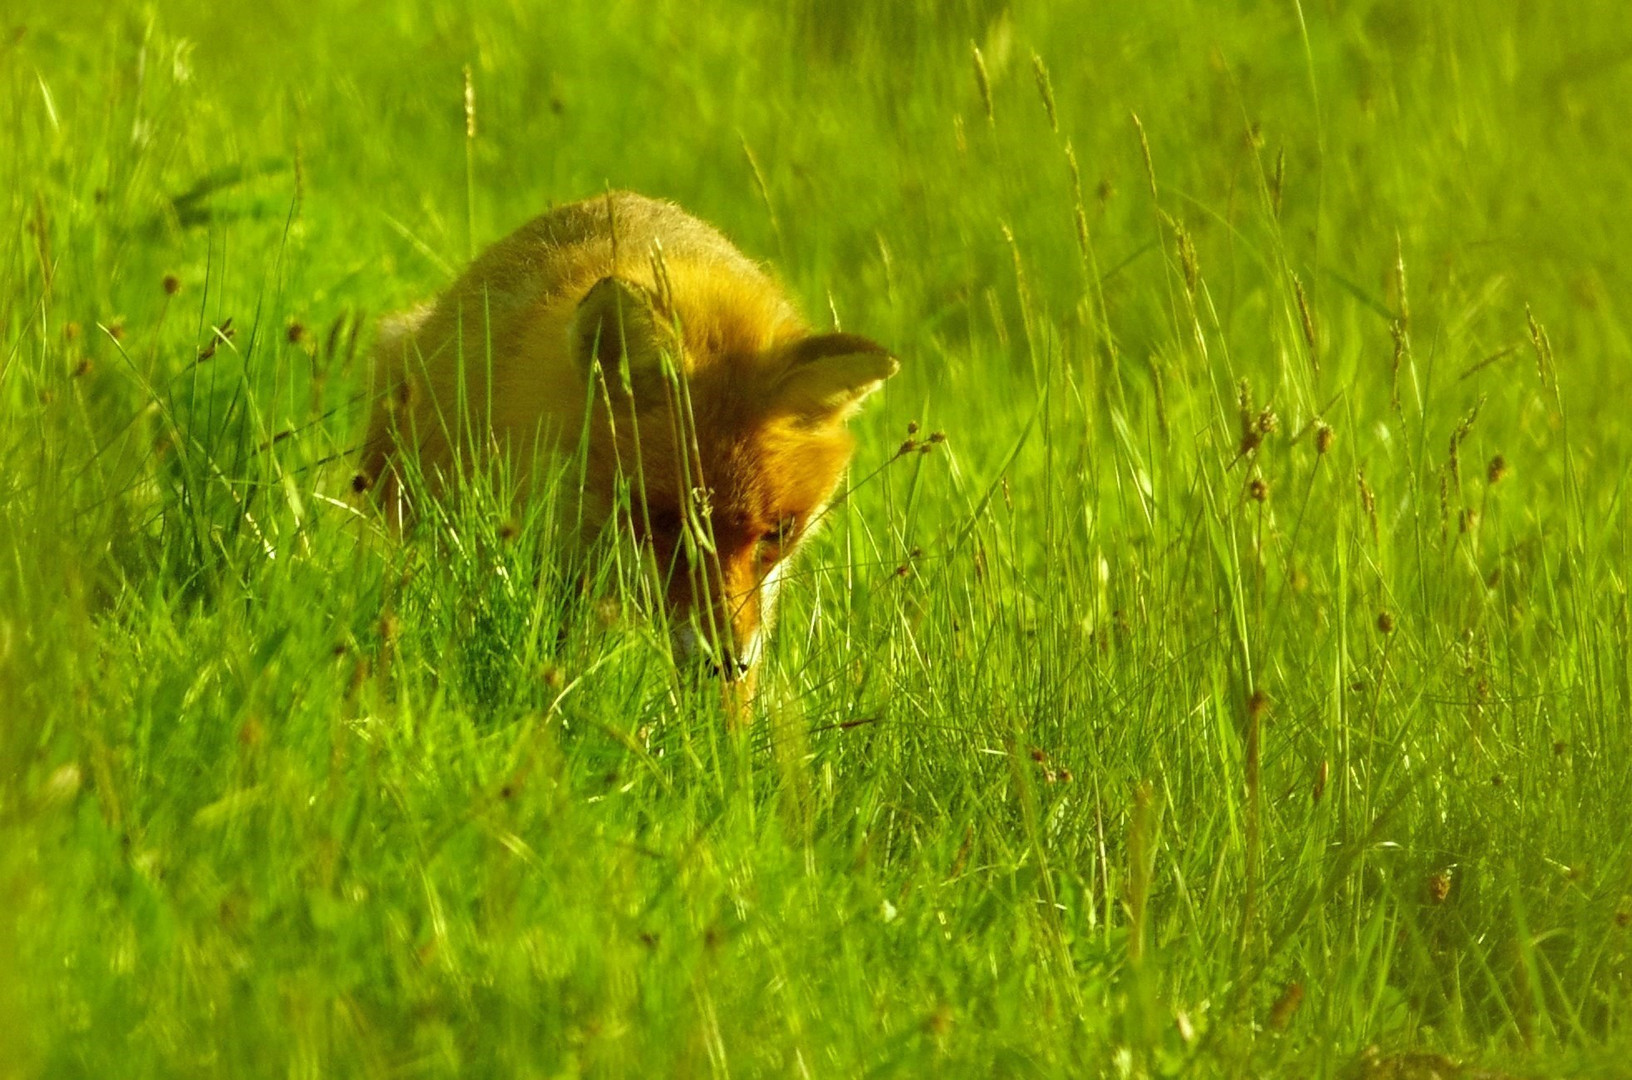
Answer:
(745, 456)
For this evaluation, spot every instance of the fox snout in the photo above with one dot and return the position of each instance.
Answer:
(719, 619)
(694, 648)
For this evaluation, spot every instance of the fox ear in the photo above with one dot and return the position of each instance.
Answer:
(618, 319)
(830, 375)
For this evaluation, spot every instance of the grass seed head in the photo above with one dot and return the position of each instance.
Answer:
(63, 784)
(1150, 164)
(1251, 436)
(1324, 437)
(359, 675)
(470, 105)
(1280, 1014)
(1045, 90)
(1277, 181)
(1076, 173)
(1497, 470)
(1187, 258)
(1307, 317)
(1444, 502)
(1459, 435)
(1400, 294)
(1402, 345)
(1368, 503)
(1257, 705)
(983, 82)
(1385, 622)
(1258, 488)
(171, 284)
(1543, 346)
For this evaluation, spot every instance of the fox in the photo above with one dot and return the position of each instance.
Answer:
(623, 328)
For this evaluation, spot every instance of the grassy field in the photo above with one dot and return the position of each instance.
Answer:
(1242, 688)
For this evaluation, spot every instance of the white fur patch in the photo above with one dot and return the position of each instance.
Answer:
(769, 589)
(690, 644)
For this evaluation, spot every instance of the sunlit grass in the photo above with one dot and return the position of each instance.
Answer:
(1220, 664)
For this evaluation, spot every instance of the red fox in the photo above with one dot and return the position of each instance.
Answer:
(630, 318)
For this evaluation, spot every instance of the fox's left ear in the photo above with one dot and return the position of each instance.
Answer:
(830, 375)
(618, 320)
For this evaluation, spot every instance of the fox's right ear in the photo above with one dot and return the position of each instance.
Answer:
(618, 319)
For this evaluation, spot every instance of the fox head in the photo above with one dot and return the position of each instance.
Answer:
(730, 418)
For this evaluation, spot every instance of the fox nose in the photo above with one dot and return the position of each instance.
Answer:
(731, 668)
(690, 647)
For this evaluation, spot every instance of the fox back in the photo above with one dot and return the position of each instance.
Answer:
(628, 320)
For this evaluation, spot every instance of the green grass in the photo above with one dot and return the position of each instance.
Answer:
(1076, 758)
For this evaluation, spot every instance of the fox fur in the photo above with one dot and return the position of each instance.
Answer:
(629, 319)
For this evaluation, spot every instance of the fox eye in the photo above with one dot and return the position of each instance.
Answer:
(780, 536)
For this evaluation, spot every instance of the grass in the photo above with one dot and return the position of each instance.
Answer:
(1243, 687)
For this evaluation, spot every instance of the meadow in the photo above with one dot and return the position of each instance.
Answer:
(1220, 663)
